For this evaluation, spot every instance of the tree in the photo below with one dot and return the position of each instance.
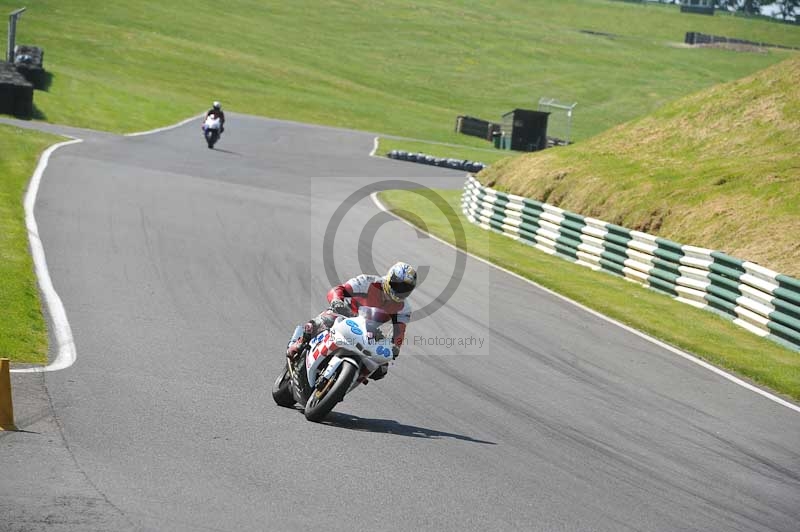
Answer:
(751, 7)
(788, 8)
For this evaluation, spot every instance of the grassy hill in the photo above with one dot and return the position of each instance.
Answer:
(396, 67)
(718, 169)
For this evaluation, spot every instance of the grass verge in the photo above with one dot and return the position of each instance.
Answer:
(23, 335)
(696, 331)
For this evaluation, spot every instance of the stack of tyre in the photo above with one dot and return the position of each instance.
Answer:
(422, 158)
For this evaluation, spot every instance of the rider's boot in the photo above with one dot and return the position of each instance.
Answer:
(297, 346)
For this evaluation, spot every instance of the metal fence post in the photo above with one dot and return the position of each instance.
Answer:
(12, 33)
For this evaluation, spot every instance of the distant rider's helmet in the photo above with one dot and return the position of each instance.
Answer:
(217, 106)
(400, 281)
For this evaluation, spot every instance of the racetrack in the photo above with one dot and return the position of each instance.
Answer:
(183, 272)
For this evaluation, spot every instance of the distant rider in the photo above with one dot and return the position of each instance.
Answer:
(216, 110)
(388, 293)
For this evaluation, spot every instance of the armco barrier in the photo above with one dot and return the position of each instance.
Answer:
(762, 301)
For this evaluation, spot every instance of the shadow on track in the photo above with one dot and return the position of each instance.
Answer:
(4, 433)
(228, 151)
(390, 426)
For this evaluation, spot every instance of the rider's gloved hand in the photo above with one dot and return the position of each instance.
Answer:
(341, 307)
(395, 352)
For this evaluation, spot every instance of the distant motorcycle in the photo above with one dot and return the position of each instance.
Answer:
(335, 362)
(211, 130)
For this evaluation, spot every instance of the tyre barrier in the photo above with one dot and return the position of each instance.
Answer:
(456, 164)
(760, 300)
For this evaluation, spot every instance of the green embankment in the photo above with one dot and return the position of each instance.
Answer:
(719, 169)
(395, 67)
(697, 331)
(23, 336)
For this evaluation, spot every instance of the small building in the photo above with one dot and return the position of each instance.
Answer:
(16, 93)
(701, 7)
(525, 130)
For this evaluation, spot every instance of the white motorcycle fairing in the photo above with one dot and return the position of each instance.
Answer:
(212, 122)
(350, 340)
(336, 362)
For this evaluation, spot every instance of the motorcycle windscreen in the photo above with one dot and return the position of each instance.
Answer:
(380, 330)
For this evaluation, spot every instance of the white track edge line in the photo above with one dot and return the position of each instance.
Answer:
(62, 332)
(374, 147)
(687, 356)
(67, 354)
(165, 128)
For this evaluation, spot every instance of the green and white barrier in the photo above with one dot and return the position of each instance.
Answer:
(762, 301)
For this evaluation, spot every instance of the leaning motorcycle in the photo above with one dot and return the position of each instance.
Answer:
(335, 362)
(211, 129)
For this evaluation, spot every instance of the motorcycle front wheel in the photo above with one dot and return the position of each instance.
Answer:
(321, 403)
(211, 139)
(282, 389)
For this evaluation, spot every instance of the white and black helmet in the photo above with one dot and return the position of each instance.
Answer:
(217, 106)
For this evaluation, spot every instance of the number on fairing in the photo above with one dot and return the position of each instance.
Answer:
(354, 327)
(384, 351)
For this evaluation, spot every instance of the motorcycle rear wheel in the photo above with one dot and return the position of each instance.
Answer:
(319, 407)
(282, 389)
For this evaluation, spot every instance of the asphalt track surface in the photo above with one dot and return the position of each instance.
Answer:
(183, 270)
